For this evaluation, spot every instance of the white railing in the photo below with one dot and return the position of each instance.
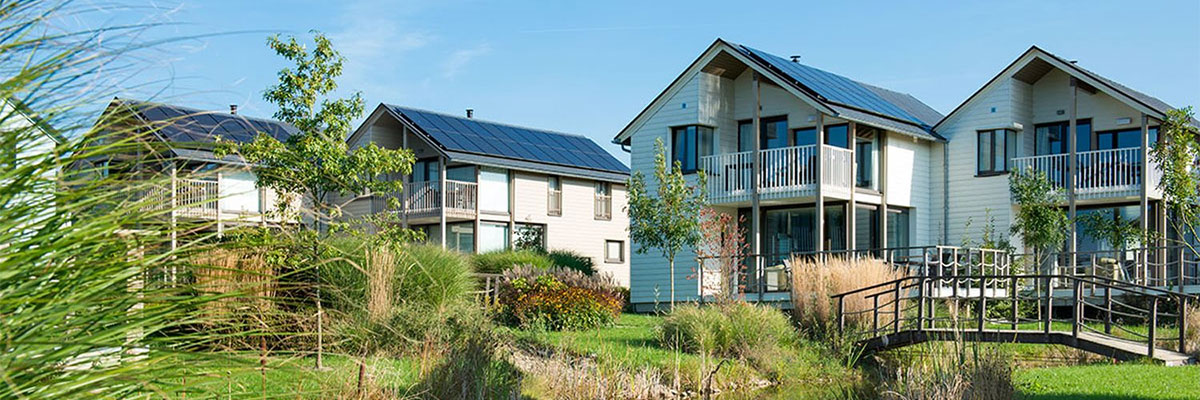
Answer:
(554, 201)
(1098, 170)
(728, 176)
(603, 206)
(196, 197)
(425, 196)
(835, 163)
(786, 168)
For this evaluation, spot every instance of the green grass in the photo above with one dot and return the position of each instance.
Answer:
(285, 378)
(1126, 381)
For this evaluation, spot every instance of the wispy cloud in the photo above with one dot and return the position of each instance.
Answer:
(375, 34)
(461, 58)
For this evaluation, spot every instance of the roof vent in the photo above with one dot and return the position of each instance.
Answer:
(233, 109)
(1073, 61)
(470, 113)
(795, 59)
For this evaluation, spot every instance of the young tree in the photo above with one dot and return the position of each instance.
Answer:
(1178, 158)
(669, 218)
(722, 242)
(316, 162)
(1038, 219)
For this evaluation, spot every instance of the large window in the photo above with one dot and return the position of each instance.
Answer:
(864, 156)
(1051, 138)
(1123, 139)
(493, 236)
(459, 236)
(898, 222)
(493, 190)
(530, 237)
(553, 195)
(835, 135)
(772, 133)
(614, 251)
(603, 200)
(995, 148)
(688, 144)
(425, 170)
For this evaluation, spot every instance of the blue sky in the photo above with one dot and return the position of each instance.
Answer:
(590, 67)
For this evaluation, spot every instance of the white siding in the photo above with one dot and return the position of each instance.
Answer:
(907, 187)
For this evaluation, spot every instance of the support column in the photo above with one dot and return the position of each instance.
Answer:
(220, 222)
(475, 237)
(1145, 178)
(442, 199)
(406, 179)
(883, 191)
(512, 206)
(755, 209)
(819, 229)
(174, 204)
(852, 206)
(1072, 160)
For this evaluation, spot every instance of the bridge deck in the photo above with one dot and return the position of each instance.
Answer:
(1104, 345)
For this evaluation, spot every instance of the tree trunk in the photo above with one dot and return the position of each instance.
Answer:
(671, 263)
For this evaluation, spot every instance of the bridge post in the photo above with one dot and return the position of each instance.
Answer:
(921, 303)
(1153, 324)
(982, 317)
(1107, 310)
(1077, 308)
(841, 319)
(1181, 281)
(1182, 318)
(896, 309)
(1049, 306)
(875, 316)
(1012, 287)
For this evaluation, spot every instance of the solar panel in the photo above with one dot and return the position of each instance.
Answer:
(494, 139)
(182, 124)
(833, 87)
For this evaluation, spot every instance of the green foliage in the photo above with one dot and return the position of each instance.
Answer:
(1177, 157)
(1038, 219)
(731, 329)
(531, 238)
(1116, 231)
(557, 299)
(572, 260)
(423, 275)
(475, 368)
(317, 162)
(494, 262)
(667, 219)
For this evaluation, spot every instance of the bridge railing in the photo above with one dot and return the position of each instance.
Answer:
(993, 303)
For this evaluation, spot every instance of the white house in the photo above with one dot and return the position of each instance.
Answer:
(478, 185)
(840, 165)
(865, 183)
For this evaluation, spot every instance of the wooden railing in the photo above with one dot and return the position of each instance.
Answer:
(835, 169)
(787, 168)
(426, 196)
(603, 204)
(728, 176)
(1098, 170)
(784, 172)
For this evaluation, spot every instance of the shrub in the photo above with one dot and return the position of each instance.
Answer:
(733, 329)
(1192, 316)
(572, 260)
(813, 283)
(969, 372)
(495, 262)
(557, 298)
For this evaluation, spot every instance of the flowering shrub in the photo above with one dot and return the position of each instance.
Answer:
(557, 298)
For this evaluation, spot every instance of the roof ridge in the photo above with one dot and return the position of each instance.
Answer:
(490, 121)
(199, 111)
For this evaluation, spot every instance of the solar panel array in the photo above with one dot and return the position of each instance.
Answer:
(832, 87)
(188, 125)
(501, 140)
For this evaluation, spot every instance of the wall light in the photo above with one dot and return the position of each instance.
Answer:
(1124, 121)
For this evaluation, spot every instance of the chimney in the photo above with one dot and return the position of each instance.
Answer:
(470, 113)
(233, 109)
(795, 59)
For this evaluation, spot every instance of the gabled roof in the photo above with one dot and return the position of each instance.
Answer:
(842, 96)
(186, 125)
(1151, 105)
(493, 143)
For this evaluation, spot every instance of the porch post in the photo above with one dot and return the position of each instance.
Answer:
(1144, 153)
(405, 179)
(174, 204)
(851, 206)
(441, 199)
(512, 206)
(220, 223)
(1072, 144)
(819, 228)
(475, 237)
(883, 210)
(755, 210)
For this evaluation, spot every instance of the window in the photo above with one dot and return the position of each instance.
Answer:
(614, 251)
(1051, 138)
(864, 156)
(553, 196)
(460, 236)
(603, 203)
(425, 171)
(493, 236)
(772, 133)
(898, 227)
(688, 144)
(493, 190)
(462, 173)
(837, 135)
(1123, 139)
(995, 148)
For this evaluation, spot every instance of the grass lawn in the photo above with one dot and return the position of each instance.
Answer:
(285, 378)
(1125, 381)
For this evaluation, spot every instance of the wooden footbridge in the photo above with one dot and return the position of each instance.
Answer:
(981, 300)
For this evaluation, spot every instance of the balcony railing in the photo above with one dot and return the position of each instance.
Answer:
(554, 201)
(603, 205)
(1116, 172)
(426, 197)
(785, 172)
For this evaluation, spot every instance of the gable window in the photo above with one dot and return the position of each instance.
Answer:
(994, 149)
(614, 251)
(688, 144)
(553, 196)
(603, 201)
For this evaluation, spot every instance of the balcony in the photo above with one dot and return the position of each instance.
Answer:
(426, 201)
(786, 173)
(231, 200)
(1101, 174)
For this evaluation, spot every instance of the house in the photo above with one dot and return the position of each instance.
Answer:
(844, 166)
(30, 142)
(479, 186)
(836, 165)
(197, 184)
(1022, 119)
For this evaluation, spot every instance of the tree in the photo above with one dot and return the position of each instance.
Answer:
(316, 162)
(1038, 219)
(669, 218)
(722, 242)
(1178, 158)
